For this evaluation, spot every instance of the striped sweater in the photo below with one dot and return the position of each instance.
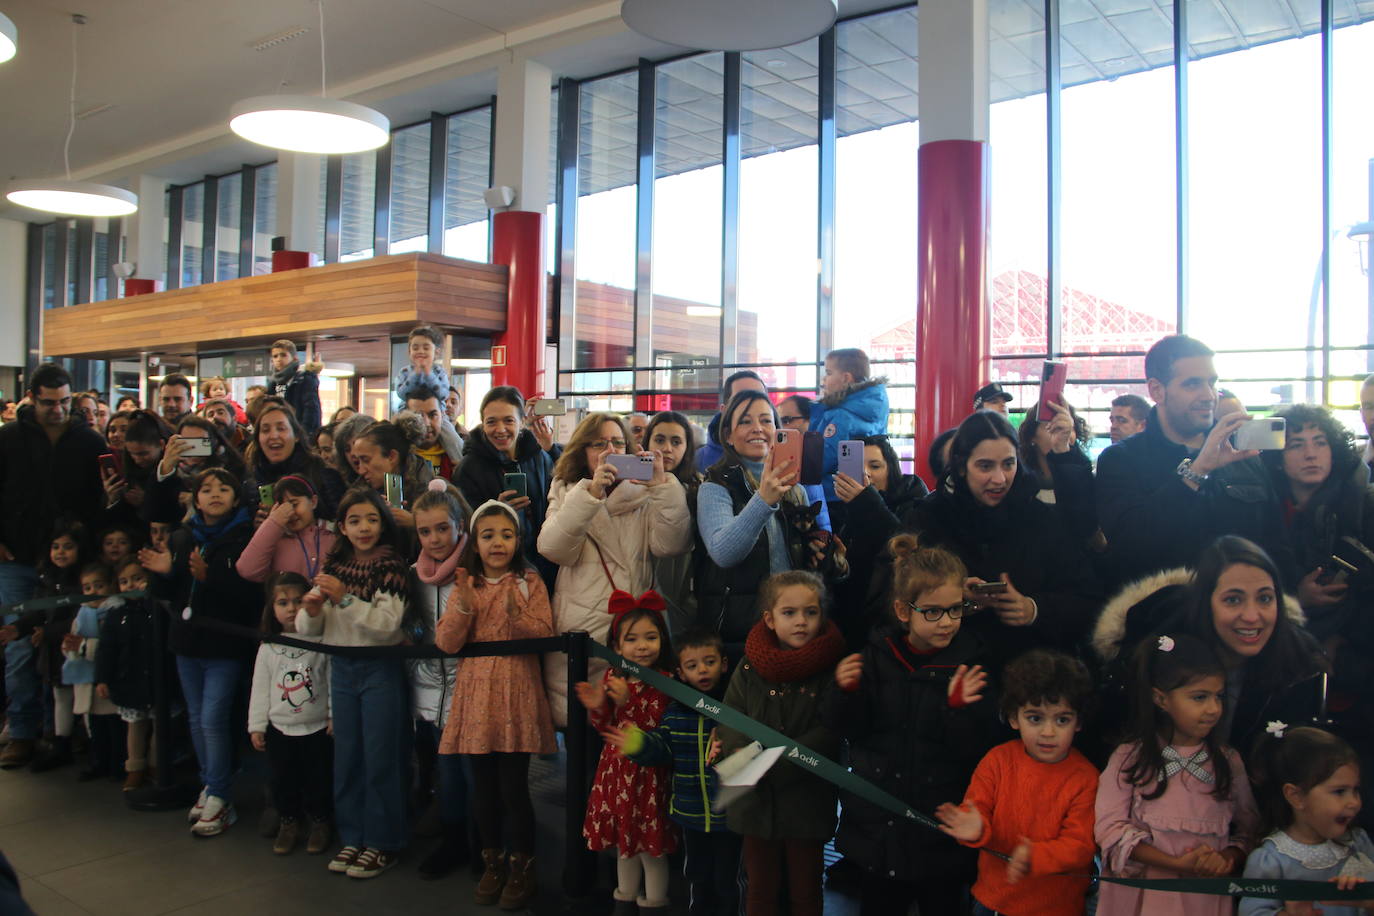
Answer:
(682, 740)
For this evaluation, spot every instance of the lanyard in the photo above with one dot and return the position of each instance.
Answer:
(311, 568)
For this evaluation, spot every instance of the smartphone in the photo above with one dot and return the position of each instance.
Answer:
(1335, 572)
(395, 492)
(812, 458)
(267, 495)
(789, 447)
(1053, 375)
(109, 465)
(989, 588)
(632, 467)
(549, 407)
(198, 447)
(517, 481)
(851, 460)
(1264, 434)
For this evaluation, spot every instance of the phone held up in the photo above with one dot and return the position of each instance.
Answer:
(851, 460)
(395, 492)
(788, 448)
(1053, 375)
(632, 467)
(517, 481)
(1264, 434)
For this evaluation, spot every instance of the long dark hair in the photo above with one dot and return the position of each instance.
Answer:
(1303, 757)
(1344, 455)
(223, 454)
(894, 464)
(1030, 425)
(145, 428)
(342, 551)
(1168, 663)
(740, 400)
(977, 428)
(254, 456)
(686, 470)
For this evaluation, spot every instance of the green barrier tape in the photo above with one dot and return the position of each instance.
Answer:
(57, 601)
(801, 755)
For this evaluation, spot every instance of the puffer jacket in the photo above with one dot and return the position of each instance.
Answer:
(481, 476)
(581, 533)
(682, 741)
(858, 411)
(431, 679)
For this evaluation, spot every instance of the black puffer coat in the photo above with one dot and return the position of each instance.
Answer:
(481, 476)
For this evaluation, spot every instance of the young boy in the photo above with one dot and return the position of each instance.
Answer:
(1033, 797)
(298, 385)
(78, 673)
(683, 740)
(851, 406)
(426, 346)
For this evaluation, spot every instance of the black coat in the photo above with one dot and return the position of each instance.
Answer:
(41, 483)
(905, 739)
(124, 659)
(329, 486)
(871, 519)
(301, 390)
(224, 595)
(481, 476)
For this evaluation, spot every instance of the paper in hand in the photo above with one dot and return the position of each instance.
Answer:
(742, 770)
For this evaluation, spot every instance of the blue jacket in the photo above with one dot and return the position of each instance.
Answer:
(860, 412)
(710, 452)
(81, 669)
(681, 740)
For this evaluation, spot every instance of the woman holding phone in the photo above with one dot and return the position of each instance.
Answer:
(198, 444)
(281, 447)
(388, 448)
(603, 532)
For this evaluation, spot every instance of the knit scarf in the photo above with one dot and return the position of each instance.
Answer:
(284, 376)
(432, 572)
(205, 533)
(1175, 763)
(783, 666)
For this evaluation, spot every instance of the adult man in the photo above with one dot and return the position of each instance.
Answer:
(1148, 499)
(992, 396)
(220, 412)
(453, 408)
(297, 384)
(441, 446)
(1128, 416)
(637, 422)
(795, 412)
(49, 469)
(735, 382)
(174, 397)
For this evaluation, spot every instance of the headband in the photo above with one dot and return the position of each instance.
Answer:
(298, 479)
(504, 507)
(622, 603)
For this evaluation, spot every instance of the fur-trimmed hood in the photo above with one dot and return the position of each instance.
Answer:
(1168, 589)
(836, 398)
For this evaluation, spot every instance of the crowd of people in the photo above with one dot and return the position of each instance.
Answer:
(1150, 666)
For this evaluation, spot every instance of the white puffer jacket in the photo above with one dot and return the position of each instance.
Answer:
(629, 525)
(431, 679)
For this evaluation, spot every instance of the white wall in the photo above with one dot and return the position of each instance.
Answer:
(13, 264)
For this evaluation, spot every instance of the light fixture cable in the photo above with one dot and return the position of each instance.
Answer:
(324, 92)
(77, 19)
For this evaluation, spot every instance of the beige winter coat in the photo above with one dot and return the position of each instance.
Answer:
(629, 525)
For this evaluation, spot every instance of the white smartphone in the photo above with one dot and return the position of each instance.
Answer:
(1264, 434)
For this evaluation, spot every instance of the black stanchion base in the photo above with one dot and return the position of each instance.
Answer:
(162, 798)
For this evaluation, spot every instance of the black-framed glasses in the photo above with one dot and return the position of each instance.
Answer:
(933, 614)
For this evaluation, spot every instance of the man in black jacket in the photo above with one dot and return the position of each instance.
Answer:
(1148, 499)
(49, 469)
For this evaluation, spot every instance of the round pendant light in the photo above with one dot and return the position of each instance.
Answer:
(73, 198)
(9, 38)
(729, 25)
(306, 124)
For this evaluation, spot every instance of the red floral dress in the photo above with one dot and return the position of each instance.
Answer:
(628, 806)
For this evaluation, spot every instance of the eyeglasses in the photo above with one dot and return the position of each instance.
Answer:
(786, 420)
(600, 444)
(955, 611)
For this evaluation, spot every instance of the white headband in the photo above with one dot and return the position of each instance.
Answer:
(504, 507)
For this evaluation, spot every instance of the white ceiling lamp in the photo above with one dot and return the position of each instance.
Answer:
(305, 124)
(9, 38)
(64, 196)
(729, 25)
(339, 370)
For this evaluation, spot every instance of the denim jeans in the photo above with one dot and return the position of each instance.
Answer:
(210, 685)
(370, 700)
(22, 685)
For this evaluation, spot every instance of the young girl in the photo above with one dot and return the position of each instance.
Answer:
(79, 648)
(124, 671)
(628, 805)
(359, 600)
(1173, 801)
(441, 528)
(291, 538)
(790, 657)
(288, 716)
(217, 387)
(1309, 786)
(910, 707)
(499, 713)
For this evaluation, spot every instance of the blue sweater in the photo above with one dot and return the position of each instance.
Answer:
(81, 669)
(682, 740)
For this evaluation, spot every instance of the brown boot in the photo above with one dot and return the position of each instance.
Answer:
(520, 886)
(493, 879)
(17, 753)
(287, 836)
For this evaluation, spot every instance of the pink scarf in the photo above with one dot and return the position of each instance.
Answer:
(433, 573)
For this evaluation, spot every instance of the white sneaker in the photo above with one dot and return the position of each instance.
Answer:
(199, 806)
(216, 817)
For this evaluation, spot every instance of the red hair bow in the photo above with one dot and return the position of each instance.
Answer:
(622, 602)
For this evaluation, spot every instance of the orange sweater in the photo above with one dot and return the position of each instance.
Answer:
(1051, 804)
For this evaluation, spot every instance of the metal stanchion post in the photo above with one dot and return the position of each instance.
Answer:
(579, 864)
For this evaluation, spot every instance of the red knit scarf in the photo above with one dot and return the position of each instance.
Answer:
(783, 666)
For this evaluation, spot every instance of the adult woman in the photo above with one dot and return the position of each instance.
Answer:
(281, 447)
(386, 448)
(126, 492)
(750, 515)
(345, 431)
(169, 493)
(601, 532)
(1027, 574)
(114, 431)
(669, 433)
(324, 446)
(1053, 452)
(502, 446)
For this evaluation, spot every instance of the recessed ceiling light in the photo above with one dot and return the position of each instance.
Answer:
(9, 38)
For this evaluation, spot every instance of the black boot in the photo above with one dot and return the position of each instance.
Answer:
(451, 852)
(57, 753)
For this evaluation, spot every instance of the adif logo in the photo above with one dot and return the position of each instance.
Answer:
(708, 708)
(632, 668)
(1234, 888)
(807, 759)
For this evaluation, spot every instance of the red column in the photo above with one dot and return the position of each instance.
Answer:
(518, 243)
(951, 310)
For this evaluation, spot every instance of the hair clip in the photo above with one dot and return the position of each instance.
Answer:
(437, 485)
(1166, 644)
(1276, 728)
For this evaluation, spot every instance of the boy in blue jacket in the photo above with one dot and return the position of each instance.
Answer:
(685, 741)
(851, 406)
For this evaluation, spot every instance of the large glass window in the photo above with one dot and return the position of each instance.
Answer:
(264, 217)
(467, 175)
(1352, 210)
(192, 233)
(227, 236)
(410, 189)
(357, 206)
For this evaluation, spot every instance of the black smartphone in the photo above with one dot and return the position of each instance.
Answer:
(517, 481)
(813, 458)
(989, 588)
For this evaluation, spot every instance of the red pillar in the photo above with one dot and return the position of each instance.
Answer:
(518, 243)
(952, 306)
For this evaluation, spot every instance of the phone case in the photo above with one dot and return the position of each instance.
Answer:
(851, 460)
(1053, 375)
(789, 447)
(631, 467)
(516, 481)
(395, 492)
(266, 494)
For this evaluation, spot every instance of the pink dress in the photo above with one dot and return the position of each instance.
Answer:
(1184, 817)
(628, 805)
(498, 703)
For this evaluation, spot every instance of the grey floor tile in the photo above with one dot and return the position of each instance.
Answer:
(47, 901)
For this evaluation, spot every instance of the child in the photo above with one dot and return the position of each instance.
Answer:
(116, 546)
(1173, 802)
(426, 345)
(288, 716)
(499, 714)
(790, 657)
(359, 600)
(124, 671)
(684, 741)
(851, 406)
(291, 538)
(80, 647)
(910, 706)
(1032, 798)
(628, 805)
(1309, 790)
(295, 383)
(216, 388)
